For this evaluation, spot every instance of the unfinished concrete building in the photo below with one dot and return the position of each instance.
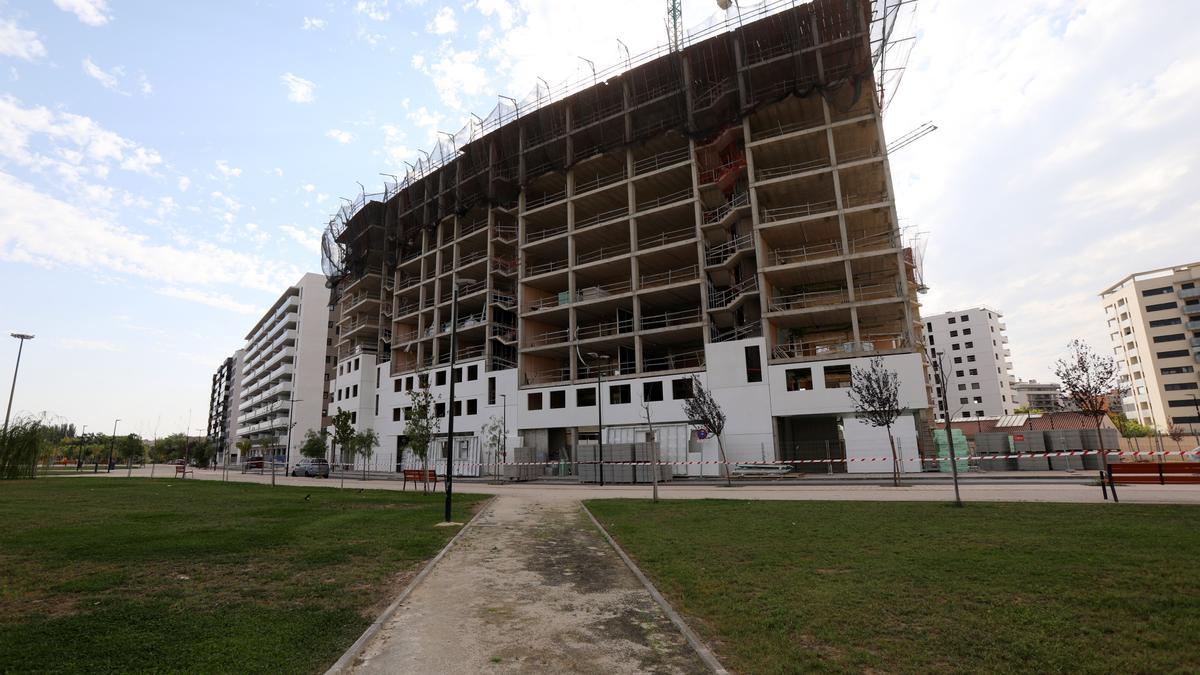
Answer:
(722, 209)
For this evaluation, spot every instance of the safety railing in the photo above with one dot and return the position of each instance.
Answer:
(661, 160)
(672, 276)
(721, 253)
(668, 237)
(670, 198)
(670, 319)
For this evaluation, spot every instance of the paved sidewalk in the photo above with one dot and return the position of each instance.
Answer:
(530, 587)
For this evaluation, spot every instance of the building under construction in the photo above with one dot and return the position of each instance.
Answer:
(720, 207)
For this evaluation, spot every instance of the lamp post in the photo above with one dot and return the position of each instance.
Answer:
(504, 427)
(450, 425)
(22, 337)
(600, 413)
(79, 455)
(112, 442)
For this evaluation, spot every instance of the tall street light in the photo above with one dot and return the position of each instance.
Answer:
(450, 425)
(79, 455)
(603, 358)
(504, 427)
(11, 392)
(112, 442)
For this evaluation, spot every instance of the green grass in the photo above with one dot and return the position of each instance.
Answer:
(923, 587)
(124, 575)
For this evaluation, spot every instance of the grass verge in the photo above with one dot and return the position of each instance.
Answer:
(924, 587)
(136, 575)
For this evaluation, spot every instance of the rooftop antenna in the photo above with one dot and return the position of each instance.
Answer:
(674, 19)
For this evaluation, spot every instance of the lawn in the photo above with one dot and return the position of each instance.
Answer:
(922, 587)
(128, 575)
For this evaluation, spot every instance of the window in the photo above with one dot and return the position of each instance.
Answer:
(439, 378)
(1173, 354)
(966, 413)
(458, 373)
(353, 418)
(977, 399)
(956, 346)
(962, 387)
(491, 391)
(799, 379)
(1157, 291)
(423, 378)
(979, 413)
(585, 398)
(408, 383)
(398, 385)
(535, 401)
(958, 373)
(558, 399)
(652, 391)
(473, 372)
(355, 390)
(951, 320)
(439, 409)
(753, 364)
(1174, 337)
(975, 371)
(953, 333)
(618, 394)
(931, 341)
(1159, 323)
(974, 385)
(962, 401)
(966, 331)
(837, 377)
(969, 345)
(1181, 386)
(964, 318)
(970, 358)
(355, 365)
(681, 388)
(473, 407)
(929, 326)
(408, 412)
(339, 394)
(458, 408)
(958, 359)
(1161, 306)
(396, 414)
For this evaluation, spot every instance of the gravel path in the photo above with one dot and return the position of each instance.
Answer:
(530, 587)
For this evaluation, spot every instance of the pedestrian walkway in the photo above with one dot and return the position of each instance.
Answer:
(531, 586)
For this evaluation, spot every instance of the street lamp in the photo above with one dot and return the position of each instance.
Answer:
(504, 427)
(599, 406)
(11, 392)
(450, 425)
(79, 455)
(112, 442)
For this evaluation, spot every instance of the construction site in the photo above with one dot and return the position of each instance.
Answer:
(721, 206)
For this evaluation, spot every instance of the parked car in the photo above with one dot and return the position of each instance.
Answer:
(253, 463)
(314, 467)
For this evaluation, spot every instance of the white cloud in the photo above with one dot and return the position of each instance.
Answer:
(501, 9)
(313, 24)
(278, 172)
(18, 42)
(226, 170)
(457, 74)
(443, 22)
(394, 148)
(308, 238)
(109, 80)
(184, 183)
(308, 187)
(340, 136)
(141, 160)
(218, 300)
(376, 10)
(144, 85)
(83, 344)
(300, 90)
(91, 12)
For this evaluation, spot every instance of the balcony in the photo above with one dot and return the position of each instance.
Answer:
(664, 200)
(662, 320)
(1192, 310)
(549, 338)
(809, 299)
(832, 349)
(1189, 293)
(720, 254)
(693, 359)
(666, 238)
(549, 376)
(604, 329)
(661, 160)
(1192, 325)
(796, 211)
(669, 277)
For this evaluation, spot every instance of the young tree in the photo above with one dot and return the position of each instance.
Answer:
(493, 439)
(1129, 428)
(203, 452)
(243, 447)
(314, 444)
(130, 448)
(343, 439)
(704, 411)
(1088, 380)
(875, 392)
(264, 444)
(364, 445)
(421, 425)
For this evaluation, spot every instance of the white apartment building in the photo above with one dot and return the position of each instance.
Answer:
(1046, 396)
(976, 356)
(283, 370)
(1154, 327)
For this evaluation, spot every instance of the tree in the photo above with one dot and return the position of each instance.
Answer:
(1176, 433)
(203, 452)
(1130, 428)
(704, 411)
(243, 447)
(314, 444)
(875, 392)
(364, 444)
(422, 424)
(264, 443)
(1026, 410)
(493, 438)
(1088, 380)
(343, 435)
(21, 447)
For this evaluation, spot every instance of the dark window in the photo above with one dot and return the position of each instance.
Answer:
(961, 401)
(408, 383)
(355, 390)
(958, 373)
(966, 413)
(585, 398)
(1194, 419)
(964, 318)
(652, 391)
(473, 372)
(837, 377)
(535, 401)
(681, 388)
(458, 408)
(423, 378)
(799, 379)
(753, 364)
(957, 359)
(969, 345)
(473, 407)
(953, 333)
(1161, 306)
(396, 414)
(955, 347)
(339, 394)
(1157, 291)
(491, 391)
(398, 385)
(1175, 337)
(439, 378)
(961, 387)
(1173, 354)
(356, 365)
(975, 371)
(1184, 403)
(970, 358)
(1177, 370)
(439, 409)
(1159, 323)
(618, 393)
(1181, 386)
(558, 399)
(951, 320)
(458, 373)
(966, 331)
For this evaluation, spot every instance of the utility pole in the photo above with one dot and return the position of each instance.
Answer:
(79, 455)
(600, 412)
(450, 424)
(504, 441)
(653, 440)
(22, 337)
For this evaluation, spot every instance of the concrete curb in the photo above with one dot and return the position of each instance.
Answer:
(347, 659)
(694, 640)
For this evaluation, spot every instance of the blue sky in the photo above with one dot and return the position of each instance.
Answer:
(165, 168)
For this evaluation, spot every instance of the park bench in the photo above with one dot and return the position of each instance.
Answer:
(1149, 473)
(418, 476)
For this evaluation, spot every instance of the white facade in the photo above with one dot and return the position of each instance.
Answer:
(283, 370)
(977, 360)
(1046, 396)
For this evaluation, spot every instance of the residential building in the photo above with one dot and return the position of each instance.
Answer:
(283, 373)
(1034, 395)
(976, 356)
(1154, 327)
(723, 211)
(222, 404)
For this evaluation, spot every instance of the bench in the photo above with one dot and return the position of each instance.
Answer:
(418, 476)
(1149, 473)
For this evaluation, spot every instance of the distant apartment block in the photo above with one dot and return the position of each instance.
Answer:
(222, 406)
(283, 373)
(1034, 395)
(1154, 327)
(977, 359)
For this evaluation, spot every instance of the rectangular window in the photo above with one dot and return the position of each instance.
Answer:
(955, 346)
(398, 385)
(958, 359)
(951, 320)
(423, 379)
(681, 388)
(1174, 337)
(1173, 354)
(353, 418)
(339, 394)
(1159, 323)
(1157, 291)
(966, 331)
(975, 371)
(962, 401)
(473, 406)
(618, 394)
(396, 414)
(535, 401)
(970, 358)
(966, 413)
(458, 373)
(799, 379)
(1181, 403)
(439, 409)
(753, 364)
(962, 387)
(473, 372)
(837, 377)
(958, 373)
(439, 378)
(974, 385)
(491, 400)
(953, 333)
(458, 408)
(652, 391)
(1161, 306)
(964, 318)
(585, 398)
(1182, 386)
(558, 399)
(355, 390)
(969, 345)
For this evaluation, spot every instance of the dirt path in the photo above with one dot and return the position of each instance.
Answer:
(531, 587)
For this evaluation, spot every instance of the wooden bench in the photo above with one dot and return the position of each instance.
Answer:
(418, 476)
(1149, 473)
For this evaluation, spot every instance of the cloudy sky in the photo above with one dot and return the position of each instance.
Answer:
(165, 168)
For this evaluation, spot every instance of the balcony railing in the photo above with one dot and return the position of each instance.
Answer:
(660, 160)
(719, 298)
(736, 332)
(545, 233)
(669, 237)
(599, 181)
(503, 332)
(502, 300)
(543, 200)
(783, 303)
(545, 268)
(506, 232)
(833, 348)
(600, 253)
(694, 359)
(780, 128)
(604, 329)
(668, 319)
(604, 216)
(548, 376)
(718, 214)
(858, 154)
(721, 253)
(798, 210)
(663, 200)
(864, 198)
(675, 276)
(767, 173)
(549, 338)
(1189, 293)
(469, 228)
(601, 291)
